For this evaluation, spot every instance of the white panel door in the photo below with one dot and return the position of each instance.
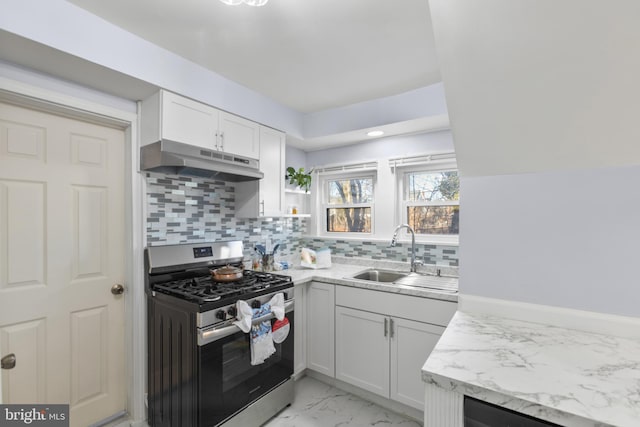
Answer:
(239, 136)
(362, 349)
(411, 344)
(61, 250)
(320, 328)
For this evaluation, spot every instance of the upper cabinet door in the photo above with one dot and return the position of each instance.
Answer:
(272, 157)
(166, 115)
(239, 136)
(188, 121)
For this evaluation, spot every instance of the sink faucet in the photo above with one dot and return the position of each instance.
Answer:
(394, 240)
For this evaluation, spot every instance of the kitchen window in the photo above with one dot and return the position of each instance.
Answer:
(348, 203)
(431, 201)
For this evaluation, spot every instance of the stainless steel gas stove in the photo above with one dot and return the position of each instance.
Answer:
(199, 362)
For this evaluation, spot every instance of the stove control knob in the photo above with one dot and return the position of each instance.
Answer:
(256, 304)
(221, 315)
(232, 311)
(286, 296)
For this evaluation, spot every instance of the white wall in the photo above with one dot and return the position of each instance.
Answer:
(72, 30)
(423, 102)
(61, 39)
(384, 148)
(540, 85)
(543, 100)
(567, 239)
(295, 157)
(43, 81)
(386, 215)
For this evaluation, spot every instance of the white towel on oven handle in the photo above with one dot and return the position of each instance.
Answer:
(277, 305)
(244, 312)
(261, 340)
(244, 315)
(260, 336)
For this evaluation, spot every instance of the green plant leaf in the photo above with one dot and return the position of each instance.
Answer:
(299, 178)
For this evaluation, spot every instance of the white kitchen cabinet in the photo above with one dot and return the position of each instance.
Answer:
(362, 349)
(266, 196)
(383, 339)
(272, 158)
(411, 344)
(239, 136)
(165, 115)
(320, 328)
(300, 341)
(383, 354)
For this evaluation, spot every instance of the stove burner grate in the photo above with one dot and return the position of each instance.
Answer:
(204, 289)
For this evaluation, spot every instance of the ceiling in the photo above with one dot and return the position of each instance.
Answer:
(310, 55)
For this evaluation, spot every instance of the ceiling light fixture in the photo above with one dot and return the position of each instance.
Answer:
(375, 133)
(248, 2)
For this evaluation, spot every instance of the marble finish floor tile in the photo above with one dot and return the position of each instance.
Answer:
(317, 404)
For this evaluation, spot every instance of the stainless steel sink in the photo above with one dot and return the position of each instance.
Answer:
(375, 275)
(447, 284)
(416, 280)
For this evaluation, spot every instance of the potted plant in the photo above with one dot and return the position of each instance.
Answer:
(299, 178)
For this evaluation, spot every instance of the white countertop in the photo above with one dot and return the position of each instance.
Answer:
(565, 376)
(339, 274)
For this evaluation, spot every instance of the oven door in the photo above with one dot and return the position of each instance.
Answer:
(227, 382)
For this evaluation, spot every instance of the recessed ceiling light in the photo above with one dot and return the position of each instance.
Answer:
(375, 133)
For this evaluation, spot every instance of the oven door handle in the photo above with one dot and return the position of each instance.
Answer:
(206, 336)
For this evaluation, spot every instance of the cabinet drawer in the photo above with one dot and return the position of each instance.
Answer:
(426, 310)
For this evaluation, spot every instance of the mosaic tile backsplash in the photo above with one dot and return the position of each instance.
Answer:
(182, 209)
(429, 254)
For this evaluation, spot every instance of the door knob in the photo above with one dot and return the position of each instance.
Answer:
(9, 361)
(117, 289)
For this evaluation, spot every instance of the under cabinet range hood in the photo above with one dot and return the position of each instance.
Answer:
(176, 158)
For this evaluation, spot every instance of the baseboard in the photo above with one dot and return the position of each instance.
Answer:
(298, 374)
(588, 321)
(394, 406)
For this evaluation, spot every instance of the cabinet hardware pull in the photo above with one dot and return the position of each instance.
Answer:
(222, 141)
(391, 328)
(385, 327)
(216, 141)
(262, 208)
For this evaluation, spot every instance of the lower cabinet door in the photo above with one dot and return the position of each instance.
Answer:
(299, 332)
(320, 328)
(362, 349)
(411, 344)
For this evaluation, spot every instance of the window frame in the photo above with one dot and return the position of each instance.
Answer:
(404, 203)
(325, 179)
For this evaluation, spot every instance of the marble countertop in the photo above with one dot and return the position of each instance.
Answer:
(568, 377)
(340, 272)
